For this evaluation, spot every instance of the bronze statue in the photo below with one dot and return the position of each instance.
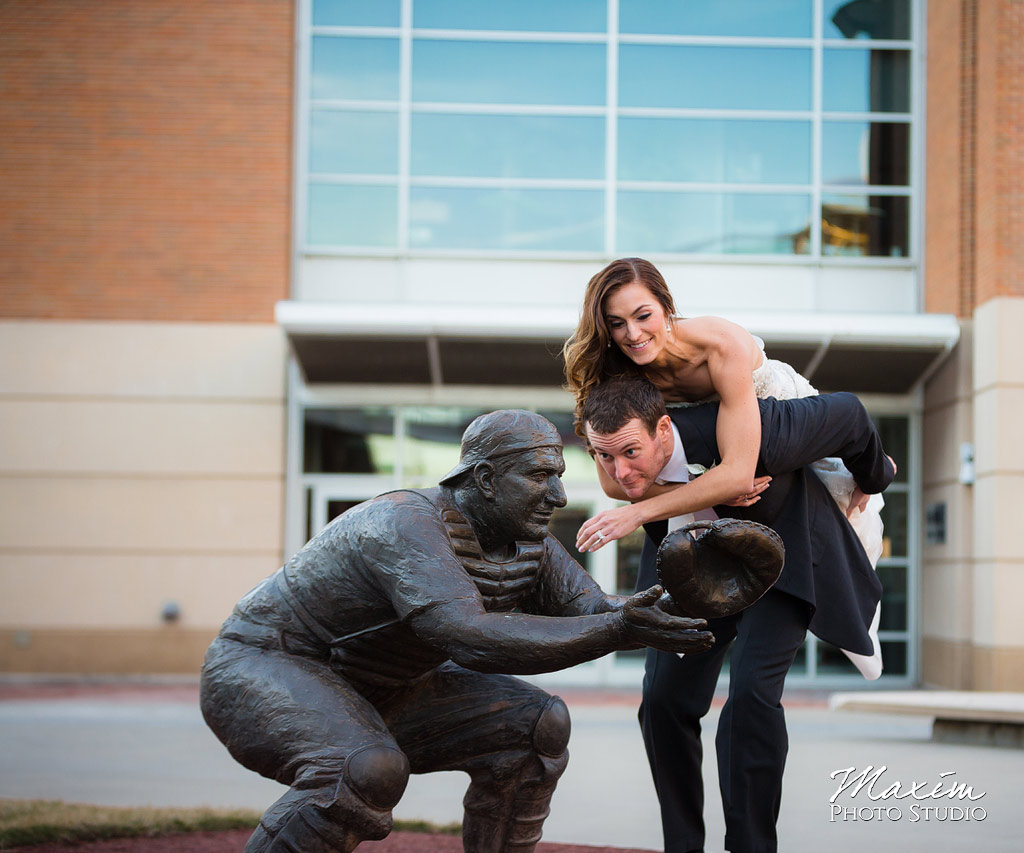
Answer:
(375, 652)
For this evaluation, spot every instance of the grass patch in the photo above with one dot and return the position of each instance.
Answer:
(27, 822)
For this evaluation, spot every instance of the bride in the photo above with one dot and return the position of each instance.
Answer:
(629, 324)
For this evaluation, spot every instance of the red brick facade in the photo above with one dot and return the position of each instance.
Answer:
(145, 167)
(974, 201)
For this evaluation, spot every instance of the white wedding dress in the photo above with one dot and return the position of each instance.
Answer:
(778, 379)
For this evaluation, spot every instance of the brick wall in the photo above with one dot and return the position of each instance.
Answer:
(1000, 150)
(146, 158)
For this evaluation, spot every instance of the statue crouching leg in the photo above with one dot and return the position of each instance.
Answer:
(508, 801)
(331, 810)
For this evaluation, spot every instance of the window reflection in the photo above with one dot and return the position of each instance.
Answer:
(710, 77)
(585, 16)
(353, 142)
(855, 80)
(895, 433)
(870, 19)
(894, 597)
(720, 223)
(858, 226)
(508, 72)
(514, 219)
(348, 441)
(356, 13)
(355, 68)
(728, 150)
(346, 215)
(433, 436)
(780, 18)
(857, 152)
(507, 146)
(894, 517)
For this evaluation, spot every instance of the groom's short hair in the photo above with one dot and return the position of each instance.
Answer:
(613, 403)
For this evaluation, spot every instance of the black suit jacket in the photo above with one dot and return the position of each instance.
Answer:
(825, 563)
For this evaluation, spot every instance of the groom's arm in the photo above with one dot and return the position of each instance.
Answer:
(795, 433)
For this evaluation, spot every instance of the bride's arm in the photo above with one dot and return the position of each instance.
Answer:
(729, 360)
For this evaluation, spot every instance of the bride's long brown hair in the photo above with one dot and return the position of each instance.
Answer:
(589, 353)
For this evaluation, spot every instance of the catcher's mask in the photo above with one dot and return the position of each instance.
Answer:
(724, 570)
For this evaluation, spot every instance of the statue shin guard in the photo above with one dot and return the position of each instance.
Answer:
(336, 817)
(508, 816)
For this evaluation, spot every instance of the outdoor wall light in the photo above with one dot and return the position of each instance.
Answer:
(966, 475)
(171, 612)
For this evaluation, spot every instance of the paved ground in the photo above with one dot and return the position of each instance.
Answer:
(147, 745)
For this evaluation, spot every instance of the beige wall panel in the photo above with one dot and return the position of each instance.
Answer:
(998, 591)
(959, 523)
(238, 361)
(142, 514)
(944, 429)
(999, 343)
(129, 437)
(946, 611)
(1005, 616)
(954, 379)
(169, 649)
(77, 591)
(946, 664)
(998, 512)
(998, 426)
(997, 669)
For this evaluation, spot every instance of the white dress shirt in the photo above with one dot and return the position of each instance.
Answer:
(676, 471)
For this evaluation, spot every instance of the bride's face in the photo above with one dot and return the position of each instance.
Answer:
(636, 322)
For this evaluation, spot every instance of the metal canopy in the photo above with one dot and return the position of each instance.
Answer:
(450, 345)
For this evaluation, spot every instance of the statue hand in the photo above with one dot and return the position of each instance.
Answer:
(646, 621)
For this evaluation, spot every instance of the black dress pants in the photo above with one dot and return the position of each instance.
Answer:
(751, 743)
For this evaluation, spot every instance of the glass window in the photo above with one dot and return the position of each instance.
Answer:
(352, 215)
(433, 436)
(508, 146)
(513, 219)
(860, 152)
(584, 16)
(780, 18)
(716, 223)
(357, 13)
(861, 81)
(355, 68)
(508, 72)
(353, 142)
(832, 661)
(869, 19)
(896, 441)
(894, 520)
(874, 225)
(894, 657)
(706, 77)
(728, 150)
(894, 598)
(349, 441)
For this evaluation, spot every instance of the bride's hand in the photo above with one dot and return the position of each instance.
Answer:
(607, 526)
(753, 496)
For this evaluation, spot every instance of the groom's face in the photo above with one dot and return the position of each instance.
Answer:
(633, 456)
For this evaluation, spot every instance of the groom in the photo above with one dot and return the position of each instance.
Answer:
(827, 585)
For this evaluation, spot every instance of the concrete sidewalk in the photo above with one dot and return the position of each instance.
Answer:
(146, 744)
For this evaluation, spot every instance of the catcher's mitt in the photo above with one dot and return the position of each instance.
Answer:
(724, 570)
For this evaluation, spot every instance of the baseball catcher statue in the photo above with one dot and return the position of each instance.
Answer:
(385, 647)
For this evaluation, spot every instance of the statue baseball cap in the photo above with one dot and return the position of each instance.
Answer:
(503, 433)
